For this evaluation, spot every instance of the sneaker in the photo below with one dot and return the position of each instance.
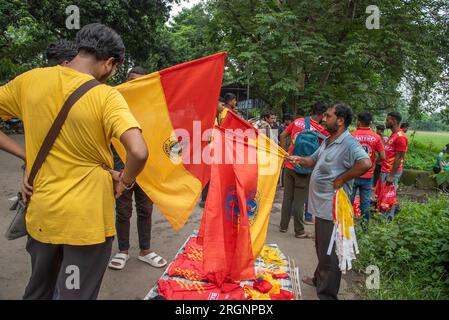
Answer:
(283, 230)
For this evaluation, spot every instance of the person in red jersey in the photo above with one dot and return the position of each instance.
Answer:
(395, 151)
(372, 143)
(296, 186)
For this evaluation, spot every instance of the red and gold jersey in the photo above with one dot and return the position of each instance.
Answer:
(371, 143)
(397, 142)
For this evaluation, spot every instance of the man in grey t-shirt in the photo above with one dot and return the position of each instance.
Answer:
(337, 162)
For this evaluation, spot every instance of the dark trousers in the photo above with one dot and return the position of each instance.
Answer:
(327, 274)
(124, 210)
(66, 272)
(296, 188)
(204, 193)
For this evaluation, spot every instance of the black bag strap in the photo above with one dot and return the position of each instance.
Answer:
(57, 125)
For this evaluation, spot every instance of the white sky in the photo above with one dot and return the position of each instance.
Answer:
(177, 8)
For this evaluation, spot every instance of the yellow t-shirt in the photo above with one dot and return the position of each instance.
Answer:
(73, 198)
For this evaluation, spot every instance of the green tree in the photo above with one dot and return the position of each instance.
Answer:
(28, 26)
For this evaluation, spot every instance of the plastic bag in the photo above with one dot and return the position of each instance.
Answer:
(387, 198)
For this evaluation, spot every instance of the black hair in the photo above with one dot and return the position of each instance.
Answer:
(405, 125)
(229, 97)
(266, 114)
(100, 41)
(221, 99)
(343, 111)
(447, 146)
(319, 108)
(60, 51)
(365, 118)
(286, 117)
(395, 115)
(138, 70)
(380, 127)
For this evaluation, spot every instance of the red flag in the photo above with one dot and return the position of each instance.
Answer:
(225, 230)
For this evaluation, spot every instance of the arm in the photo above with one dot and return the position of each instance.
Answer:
(360, 167)
(381, 157)
(397, 162)
(9, 145)
(306, 162)
(136, 156)
(283, 138)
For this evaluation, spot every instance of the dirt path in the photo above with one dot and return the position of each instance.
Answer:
(135, 281)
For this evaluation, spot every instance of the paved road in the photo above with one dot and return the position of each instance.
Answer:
(135, 281)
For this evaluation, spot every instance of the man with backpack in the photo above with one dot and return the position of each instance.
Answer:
(306, 136)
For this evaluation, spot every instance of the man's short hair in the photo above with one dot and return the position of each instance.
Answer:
(447, 146)
(229, 97)
(395, 115)
(60, 51)
(266, 114)
(221, 99)
(101, 41)
(380, 127)
(405, 125)
(343, 111)
(138, 70)
(319, 108)
(286, 117)
(365, 118)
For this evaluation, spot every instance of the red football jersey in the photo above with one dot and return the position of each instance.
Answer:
(295, 128)
(398, 142)
(372, 143)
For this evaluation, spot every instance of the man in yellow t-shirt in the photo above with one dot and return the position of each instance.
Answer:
(70, 215)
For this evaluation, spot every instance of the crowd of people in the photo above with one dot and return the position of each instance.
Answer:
(71, 220)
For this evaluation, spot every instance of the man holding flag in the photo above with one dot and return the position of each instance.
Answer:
(338, 161)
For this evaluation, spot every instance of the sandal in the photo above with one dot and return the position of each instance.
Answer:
(308, 281)
(304, 235)
(119, 261)
(153, 259)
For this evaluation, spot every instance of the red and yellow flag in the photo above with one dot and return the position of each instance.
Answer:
(175, 108)
(244, 175)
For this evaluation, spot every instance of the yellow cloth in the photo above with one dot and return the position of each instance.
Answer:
(272, 256)
(344, 213)
(172, 188)
(73, 200)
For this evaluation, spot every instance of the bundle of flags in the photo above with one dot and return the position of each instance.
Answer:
(176, 108)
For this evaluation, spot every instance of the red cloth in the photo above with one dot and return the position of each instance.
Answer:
(186, 268)
(295, 128)
(263, 286)
(282, 295)
(387, 198)
(225, 230)
(372, 143)
(179, 290)
(398, 142)
(357, 210)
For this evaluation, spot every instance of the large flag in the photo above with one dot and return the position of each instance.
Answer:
(244, 175)
(176, 108)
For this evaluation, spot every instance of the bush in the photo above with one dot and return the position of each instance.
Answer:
(420, 156)
(412, 252)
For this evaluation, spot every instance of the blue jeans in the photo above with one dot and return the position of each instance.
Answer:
(364, 186)
(390, 214)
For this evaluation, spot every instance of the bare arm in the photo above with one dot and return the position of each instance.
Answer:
(360, 167)
(9, 145)
(306, 162)
(136, 154)
(381, 157)
(397, 162)
(283, 141)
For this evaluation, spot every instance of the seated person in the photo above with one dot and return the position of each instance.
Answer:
(442, 163)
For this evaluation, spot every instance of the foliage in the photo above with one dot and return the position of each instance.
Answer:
(442, 178)
(297, 52)
(27, 27)
(420, 156)
(412, 252)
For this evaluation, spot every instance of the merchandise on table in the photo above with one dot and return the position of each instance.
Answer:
(184, 279)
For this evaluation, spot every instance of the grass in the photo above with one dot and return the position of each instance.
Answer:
(437, 139)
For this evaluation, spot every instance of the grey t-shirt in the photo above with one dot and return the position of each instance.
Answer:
(332, 161)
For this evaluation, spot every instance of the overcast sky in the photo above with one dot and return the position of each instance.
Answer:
(177, 8)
